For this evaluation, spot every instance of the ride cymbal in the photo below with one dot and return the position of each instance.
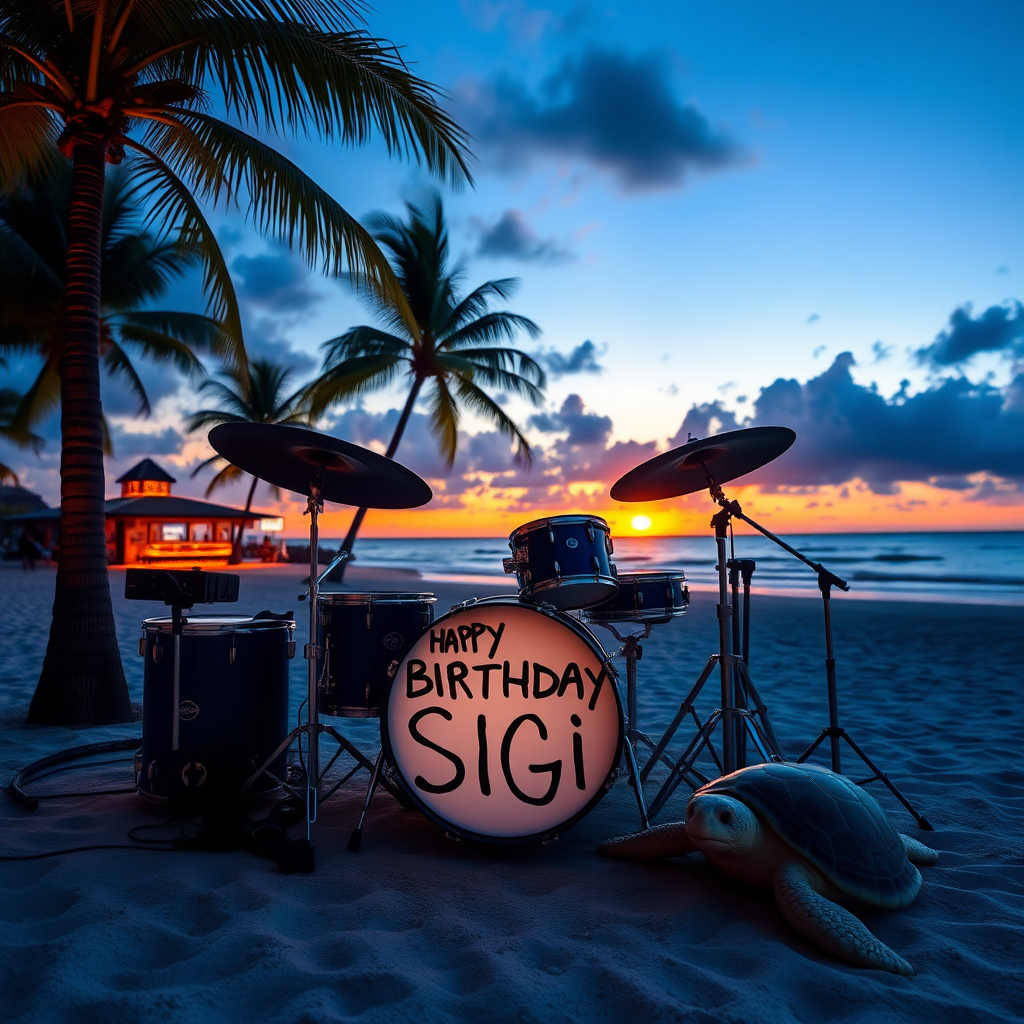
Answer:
(294, 458)
(685, 470)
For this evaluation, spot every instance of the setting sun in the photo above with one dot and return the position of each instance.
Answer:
(641, 522)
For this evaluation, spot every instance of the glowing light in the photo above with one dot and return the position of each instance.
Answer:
(641, 522)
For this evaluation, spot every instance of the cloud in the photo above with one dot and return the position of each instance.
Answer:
(881, 352)
(263, 340)
(133, 445)
(998, 329)
(847, 431)
(582, 359)
(511, 236)
(273, 281)
(615, 112)
(813, 318)
(580, 427)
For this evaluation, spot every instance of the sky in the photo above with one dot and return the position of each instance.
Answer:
(722, 214)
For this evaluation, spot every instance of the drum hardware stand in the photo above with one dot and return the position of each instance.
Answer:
(313, 727)
(826, 581)
(633, 652)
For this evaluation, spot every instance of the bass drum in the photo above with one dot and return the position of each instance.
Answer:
(503, 722)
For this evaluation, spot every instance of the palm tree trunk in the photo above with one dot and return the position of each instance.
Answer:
(338, 575)
(82, 681)
(236, 550)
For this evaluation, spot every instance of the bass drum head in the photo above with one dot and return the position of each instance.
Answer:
(503, 722)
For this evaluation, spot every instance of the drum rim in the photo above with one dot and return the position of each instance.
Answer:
(585, 634)
(220, 624)
(573, 518)
(364, 597)
(624, 578)
(561, 581)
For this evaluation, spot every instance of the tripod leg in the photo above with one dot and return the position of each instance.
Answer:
(684, 710)
(684, 764)
(357, 835)
(759, 708)
(634, 781)
(922, 821)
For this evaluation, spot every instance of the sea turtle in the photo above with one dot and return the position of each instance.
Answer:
(812, 835)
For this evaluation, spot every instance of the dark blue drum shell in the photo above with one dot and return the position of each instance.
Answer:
(362, 637)
(563, 561)
(232, 707)
(644, 597)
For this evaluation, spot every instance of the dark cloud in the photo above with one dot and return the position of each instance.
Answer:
(619, 113)
(847, 431)
(132, 446)
(273, 281)
(263, 340)
(579, 426)
(512, 237)
(159, 380)
(998, 329)
(582, 359)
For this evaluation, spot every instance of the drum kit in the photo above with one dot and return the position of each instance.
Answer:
(500, 720)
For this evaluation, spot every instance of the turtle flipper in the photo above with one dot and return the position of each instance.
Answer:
(656, 843)
(918, 853)
(830, 926)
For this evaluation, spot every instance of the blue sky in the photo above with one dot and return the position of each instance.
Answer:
(714, 195)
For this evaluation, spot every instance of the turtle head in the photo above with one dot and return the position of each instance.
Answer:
(722, 825)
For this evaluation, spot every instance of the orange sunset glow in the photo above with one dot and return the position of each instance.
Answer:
(917, 506)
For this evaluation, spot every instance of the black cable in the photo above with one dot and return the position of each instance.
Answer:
(86, 849)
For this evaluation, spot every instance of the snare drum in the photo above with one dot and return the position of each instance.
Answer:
(362, 639)
(503, 722)
(563, 561)
(232, 706)
(644, 597)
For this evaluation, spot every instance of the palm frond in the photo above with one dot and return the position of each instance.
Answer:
(444, 420)
(356, 376)
(480, 402)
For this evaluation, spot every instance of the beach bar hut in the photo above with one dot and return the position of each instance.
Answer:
(148, 525)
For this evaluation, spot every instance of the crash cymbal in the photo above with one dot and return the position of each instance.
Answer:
(685, 470)
(293, 457)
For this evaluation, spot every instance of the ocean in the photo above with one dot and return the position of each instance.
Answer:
(985, 568)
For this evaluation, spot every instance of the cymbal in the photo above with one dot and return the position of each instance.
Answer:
(294, 458)
(723, 456)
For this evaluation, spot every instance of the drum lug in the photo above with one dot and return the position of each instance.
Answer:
(551, 533)
(590, 532)
(640, 597)
(608, 545)
(232, 651)
(158, 652)
(142, 646)
(393, 668)
(463, 604)
(291, 649)
(558, 571)
(597, 566)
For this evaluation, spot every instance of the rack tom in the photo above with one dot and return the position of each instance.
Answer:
(362, 639)
(644, 597)
(564, 561)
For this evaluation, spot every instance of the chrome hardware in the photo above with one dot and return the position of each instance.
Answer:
(558, 571)
(590, 532)
(142, 646)
(311, 651)
(291, 649)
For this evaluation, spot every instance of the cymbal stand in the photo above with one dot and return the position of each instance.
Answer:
(633, 652)
(303, 860)
(833, 732)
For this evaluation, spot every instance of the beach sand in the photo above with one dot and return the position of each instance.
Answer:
(416, 927)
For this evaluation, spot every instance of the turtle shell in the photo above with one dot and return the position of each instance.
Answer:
(831, 822)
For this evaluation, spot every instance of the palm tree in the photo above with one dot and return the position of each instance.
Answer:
(253, 397)
(135, 268)
(433, 336)
(99, 77)
(9, 431)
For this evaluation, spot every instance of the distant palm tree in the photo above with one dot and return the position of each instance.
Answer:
(9, 402)
(98, 77)
(255, 397)
(433, 338)
(135, 268)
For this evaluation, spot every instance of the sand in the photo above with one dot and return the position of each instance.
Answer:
(416, 927)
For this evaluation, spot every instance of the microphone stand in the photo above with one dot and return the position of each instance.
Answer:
(833, 732)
